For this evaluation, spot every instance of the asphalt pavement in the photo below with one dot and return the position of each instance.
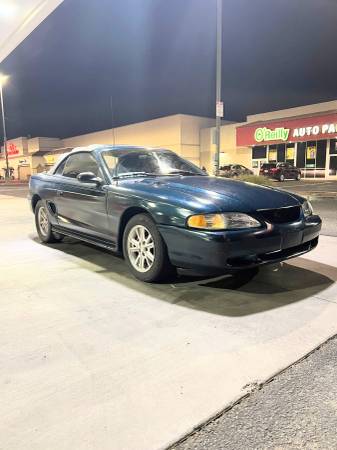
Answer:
(297, 409)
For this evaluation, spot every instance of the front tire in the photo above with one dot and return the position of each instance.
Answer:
(43, 225)
(298, 177)
(281, 177)
(145, 251)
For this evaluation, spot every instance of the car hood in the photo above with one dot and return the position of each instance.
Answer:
(217, 193)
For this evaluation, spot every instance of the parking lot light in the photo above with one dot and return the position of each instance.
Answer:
(3, 80)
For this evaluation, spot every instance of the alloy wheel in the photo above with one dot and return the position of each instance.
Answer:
(43, 221)
(141, 248)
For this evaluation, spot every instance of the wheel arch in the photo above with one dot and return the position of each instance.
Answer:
(35, 199)
(126, 216)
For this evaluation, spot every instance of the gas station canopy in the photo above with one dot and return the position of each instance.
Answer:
(18, 18)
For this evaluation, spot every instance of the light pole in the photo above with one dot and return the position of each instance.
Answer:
(219, 104)
(3, 79)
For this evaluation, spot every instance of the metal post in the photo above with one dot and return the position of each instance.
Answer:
(218, 81)
(4, 130)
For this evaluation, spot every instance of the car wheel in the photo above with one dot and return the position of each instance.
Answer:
(145, 251)
(43, 225)
(281, 177)
(298, 177)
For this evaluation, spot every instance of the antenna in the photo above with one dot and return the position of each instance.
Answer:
(113, 122)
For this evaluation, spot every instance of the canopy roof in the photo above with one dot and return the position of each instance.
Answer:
(18, 18)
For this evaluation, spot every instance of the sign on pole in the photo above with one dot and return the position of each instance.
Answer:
(219, 109)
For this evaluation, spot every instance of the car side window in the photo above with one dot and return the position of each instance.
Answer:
(81, 162)
(60, 168)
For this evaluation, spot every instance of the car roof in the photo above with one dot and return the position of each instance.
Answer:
(118, 149)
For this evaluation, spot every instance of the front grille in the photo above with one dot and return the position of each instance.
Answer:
(281, 215)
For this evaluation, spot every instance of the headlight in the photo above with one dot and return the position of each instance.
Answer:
(307, 208)
(225, 221)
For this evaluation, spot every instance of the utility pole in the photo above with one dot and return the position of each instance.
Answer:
(2, 81)
(219, 104)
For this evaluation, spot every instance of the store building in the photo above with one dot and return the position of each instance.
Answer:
(179, 132)
(305, 136)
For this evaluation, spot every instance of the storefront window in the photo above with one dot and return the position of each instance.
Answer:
(272, 153)
(310, 155)
(281, 152)
(321, 154)
(300, 160)
(333, 147)
(259, 152)
(290, 154)
(333, 165)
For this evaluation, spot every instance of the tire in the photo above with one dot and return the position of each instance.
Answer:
(298, 177)
(45, 232)
(140, 240)
(281, 177)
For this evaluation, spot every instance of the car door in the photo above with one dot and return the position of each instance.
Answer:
(292, 171)
(82, 207)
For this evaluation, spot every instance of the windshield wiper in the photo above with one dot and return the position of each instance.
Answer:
(136, 174)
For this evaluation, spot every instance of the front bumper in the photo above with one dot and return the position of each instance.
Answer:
(212, 252)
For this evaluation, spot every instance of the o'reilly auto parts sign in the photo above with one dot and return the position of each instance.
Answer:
(289, 130)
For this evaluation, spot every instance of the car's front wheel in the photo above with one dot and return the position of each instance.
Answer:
(43, 225)
(298, 177)
(281, 177)
(145, 251)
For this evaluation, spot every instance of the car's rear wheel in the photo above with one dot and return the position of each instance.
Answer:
(43, 225)
(145, 251)
(298, 177)
(281, 177)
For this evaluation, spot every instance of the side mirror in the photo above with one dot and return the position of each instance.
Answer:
(89, 177)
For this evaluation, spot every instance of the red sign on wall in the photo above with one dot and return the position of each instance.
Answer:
(288, 130)
(12, 150)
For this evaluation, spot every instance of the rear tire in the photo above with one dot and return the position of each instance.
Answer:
(43, 225)
(298, 177)
(281, 178)
(145, 251)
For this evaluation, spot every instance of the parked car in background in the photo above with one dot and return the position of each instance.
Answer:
(162, 212)
(234, 171)
(280, 171)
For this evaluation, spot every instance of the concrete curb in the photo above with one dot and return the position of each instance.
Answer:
(250, 391)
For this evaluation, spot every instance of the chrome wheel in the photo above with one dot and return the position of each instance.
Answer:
(43, 221)
(141, 248)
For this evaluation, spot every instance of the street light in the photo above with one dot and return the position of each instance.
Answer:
(219, 104)
(3, 79)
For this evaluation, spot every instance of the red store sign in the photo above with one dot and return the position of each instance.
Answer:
(12, 150)
(288, 130)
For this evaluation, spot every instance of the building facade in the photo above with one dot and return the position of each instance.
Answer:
(304, 136)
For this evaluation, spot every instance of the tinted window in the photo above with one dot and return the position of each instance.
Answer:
(268, 166)
(80, 162)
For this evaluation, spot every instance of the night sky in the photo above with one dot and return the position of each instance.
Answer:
(95, 63)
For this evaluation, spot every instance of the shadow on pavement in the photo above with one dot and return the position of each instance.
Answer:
(270, 287)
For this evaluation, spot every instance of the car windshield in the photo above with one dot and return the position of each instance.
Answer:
(156, 163)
